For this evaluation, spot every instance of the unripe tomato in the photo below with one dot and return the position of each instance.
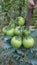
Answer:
(18, 31)
(28, 42)
(16, 42)
(26, 32)
(10, 32)
(20, 21)
(4, 30)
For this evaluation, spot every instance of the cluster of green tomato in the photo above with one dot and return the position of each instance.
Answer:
(20, 35)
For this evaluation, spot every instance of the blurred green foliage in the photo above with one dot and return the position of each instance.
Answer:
(13, 8)
(10, 9)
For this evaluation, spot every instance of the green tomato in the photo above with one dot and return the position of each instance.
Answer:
(18, 30)
(10, 32)
(28, 42)
(4, 30)
(13, 25)
(16, 42)
(26, 32)
(21, 21)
